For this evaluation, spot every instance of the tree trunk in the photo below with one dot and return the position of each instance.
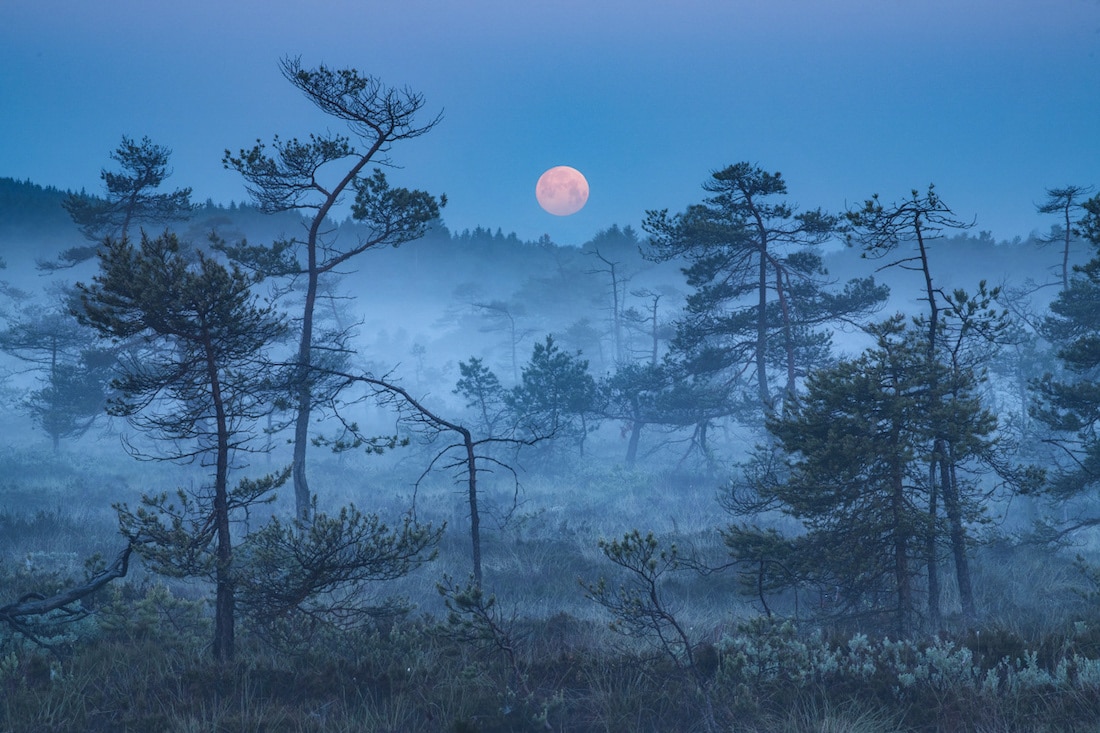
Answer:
(938, 454)
(224, 596)
(303, 378)
(1065, 249)
(654, 333)
(934, 615)
(788, 335)
(958, 536)
(901, 549)
(762, 334)
(475, 515)
(53, 380)
(632, 444)
(36, 605)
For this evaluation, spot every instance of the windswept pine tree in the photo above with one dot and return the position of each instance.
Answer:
(295, 176)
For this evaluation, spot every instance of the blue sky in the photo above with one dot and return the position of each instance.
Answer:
(992, 100)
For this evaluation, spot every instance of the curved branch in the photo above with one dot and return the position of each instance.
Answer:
(35, 605)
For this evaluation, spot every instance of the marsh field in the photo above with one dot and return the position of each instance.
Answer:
(544, 658)
(551, 487)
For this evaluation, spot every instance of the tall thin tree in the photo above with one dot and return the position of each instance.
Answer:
(197, 387)
(1065, 202)
(882, 231)
(294, 178)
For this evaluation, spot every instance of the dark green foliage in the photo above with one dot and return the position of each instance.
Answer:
(637, 604)
(484, 395)
(1070, 404)
(963, 332)
(759, 300)
(397, 214)
(851, 464)
(557, 396)
(639, 394)
(321, 573)
(197, 385)
(641, 609)
(477, 619)
(854, 441)
(1089, 225)
(176, 535)
(130, 199)
(293, 178)
(33, 213)
(768, 562)
(204, 313)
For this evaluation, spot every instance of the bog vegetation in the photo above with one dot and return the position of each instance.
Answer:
(753, 468)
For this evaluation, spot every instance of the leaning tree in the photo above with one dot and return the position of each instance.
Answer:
(313, 176)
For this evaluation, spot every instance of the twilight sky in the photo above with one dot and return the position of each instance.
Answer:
(992, 100)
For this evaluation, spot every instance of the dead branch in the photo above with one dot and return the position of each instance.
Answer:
(34, 604)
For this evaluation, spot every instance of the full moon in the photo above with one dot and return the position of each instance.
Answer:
(562, 190)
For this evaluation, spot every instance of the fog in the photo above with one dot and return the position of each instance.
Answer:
(549, 499)
(315, 420)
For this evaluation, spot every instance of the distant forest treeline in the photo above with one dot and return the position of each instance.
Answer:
(457, 294)
(30, 211)
(33, 225)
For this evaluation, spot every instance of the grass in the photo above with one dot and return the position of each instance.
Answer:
(141, 662)
(414, 677)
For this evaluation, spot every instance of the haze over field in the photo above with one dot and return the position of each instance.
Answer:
(312, 419)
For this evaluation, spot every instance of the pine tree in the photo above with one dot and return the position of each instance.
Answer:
(1066, 202)
(853, 440)
(556, 396)
(74, 371)
(759, 298)
(198, 387)
(293, 177)
(903, 231)
(131, 198)
(1070, 404)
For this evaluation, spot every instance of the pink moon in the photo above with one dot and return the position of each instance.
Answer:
(562, 190)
